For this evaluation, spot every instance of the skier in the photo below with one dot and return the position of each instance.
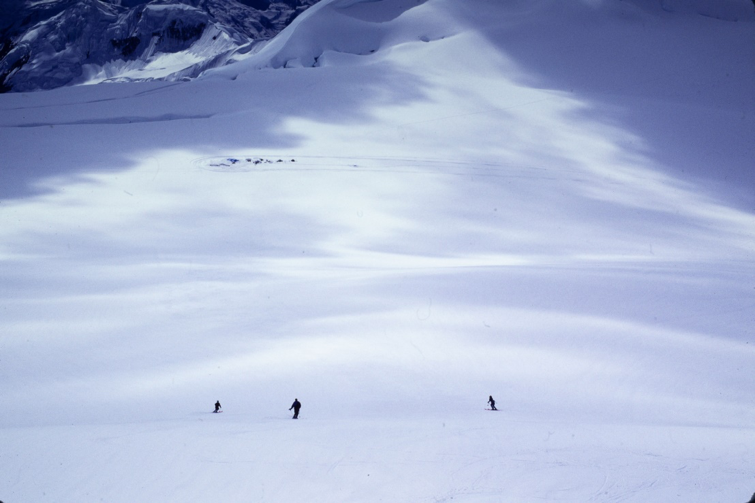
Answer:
(296, 406)
(492, 403)
(217, 406)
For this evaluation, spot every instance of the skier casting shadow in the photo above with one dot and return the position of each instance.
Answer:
(492, 403)
(296, 406)
(217, 406)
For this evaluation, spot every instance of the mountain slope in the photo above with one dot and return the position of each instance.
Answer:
(548, 202)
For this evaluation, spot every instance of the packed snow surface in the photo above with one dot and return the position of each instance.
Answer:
(393, 210)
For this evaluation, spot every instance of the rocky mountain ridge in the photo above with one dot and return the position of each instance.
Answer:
(53, 43)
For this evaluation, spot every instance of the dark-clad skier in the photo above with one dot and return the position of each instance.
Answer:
(217, 406)
(296, 406)
(492, 403)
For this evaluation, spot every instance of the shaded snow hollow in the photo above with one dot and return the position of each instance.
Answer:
(391, 211)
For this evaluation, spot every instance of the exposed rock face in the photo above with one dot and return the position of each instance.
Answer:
(48, 44)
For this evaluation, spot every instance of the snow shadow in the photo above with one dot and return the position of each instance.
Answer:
(678, 76)
(69, 133)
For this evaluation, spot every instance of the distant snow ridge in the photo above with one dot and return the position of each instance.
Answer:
(44, 45)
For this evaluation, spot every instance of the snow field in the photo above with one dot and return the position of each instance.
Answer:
(467, 457)
(449, 221)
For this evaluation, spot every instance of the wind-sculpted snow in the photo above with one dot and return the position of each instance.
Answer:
(336, 29)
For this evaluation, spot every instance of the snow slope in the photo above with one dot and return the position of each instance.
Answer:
(392, 211)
